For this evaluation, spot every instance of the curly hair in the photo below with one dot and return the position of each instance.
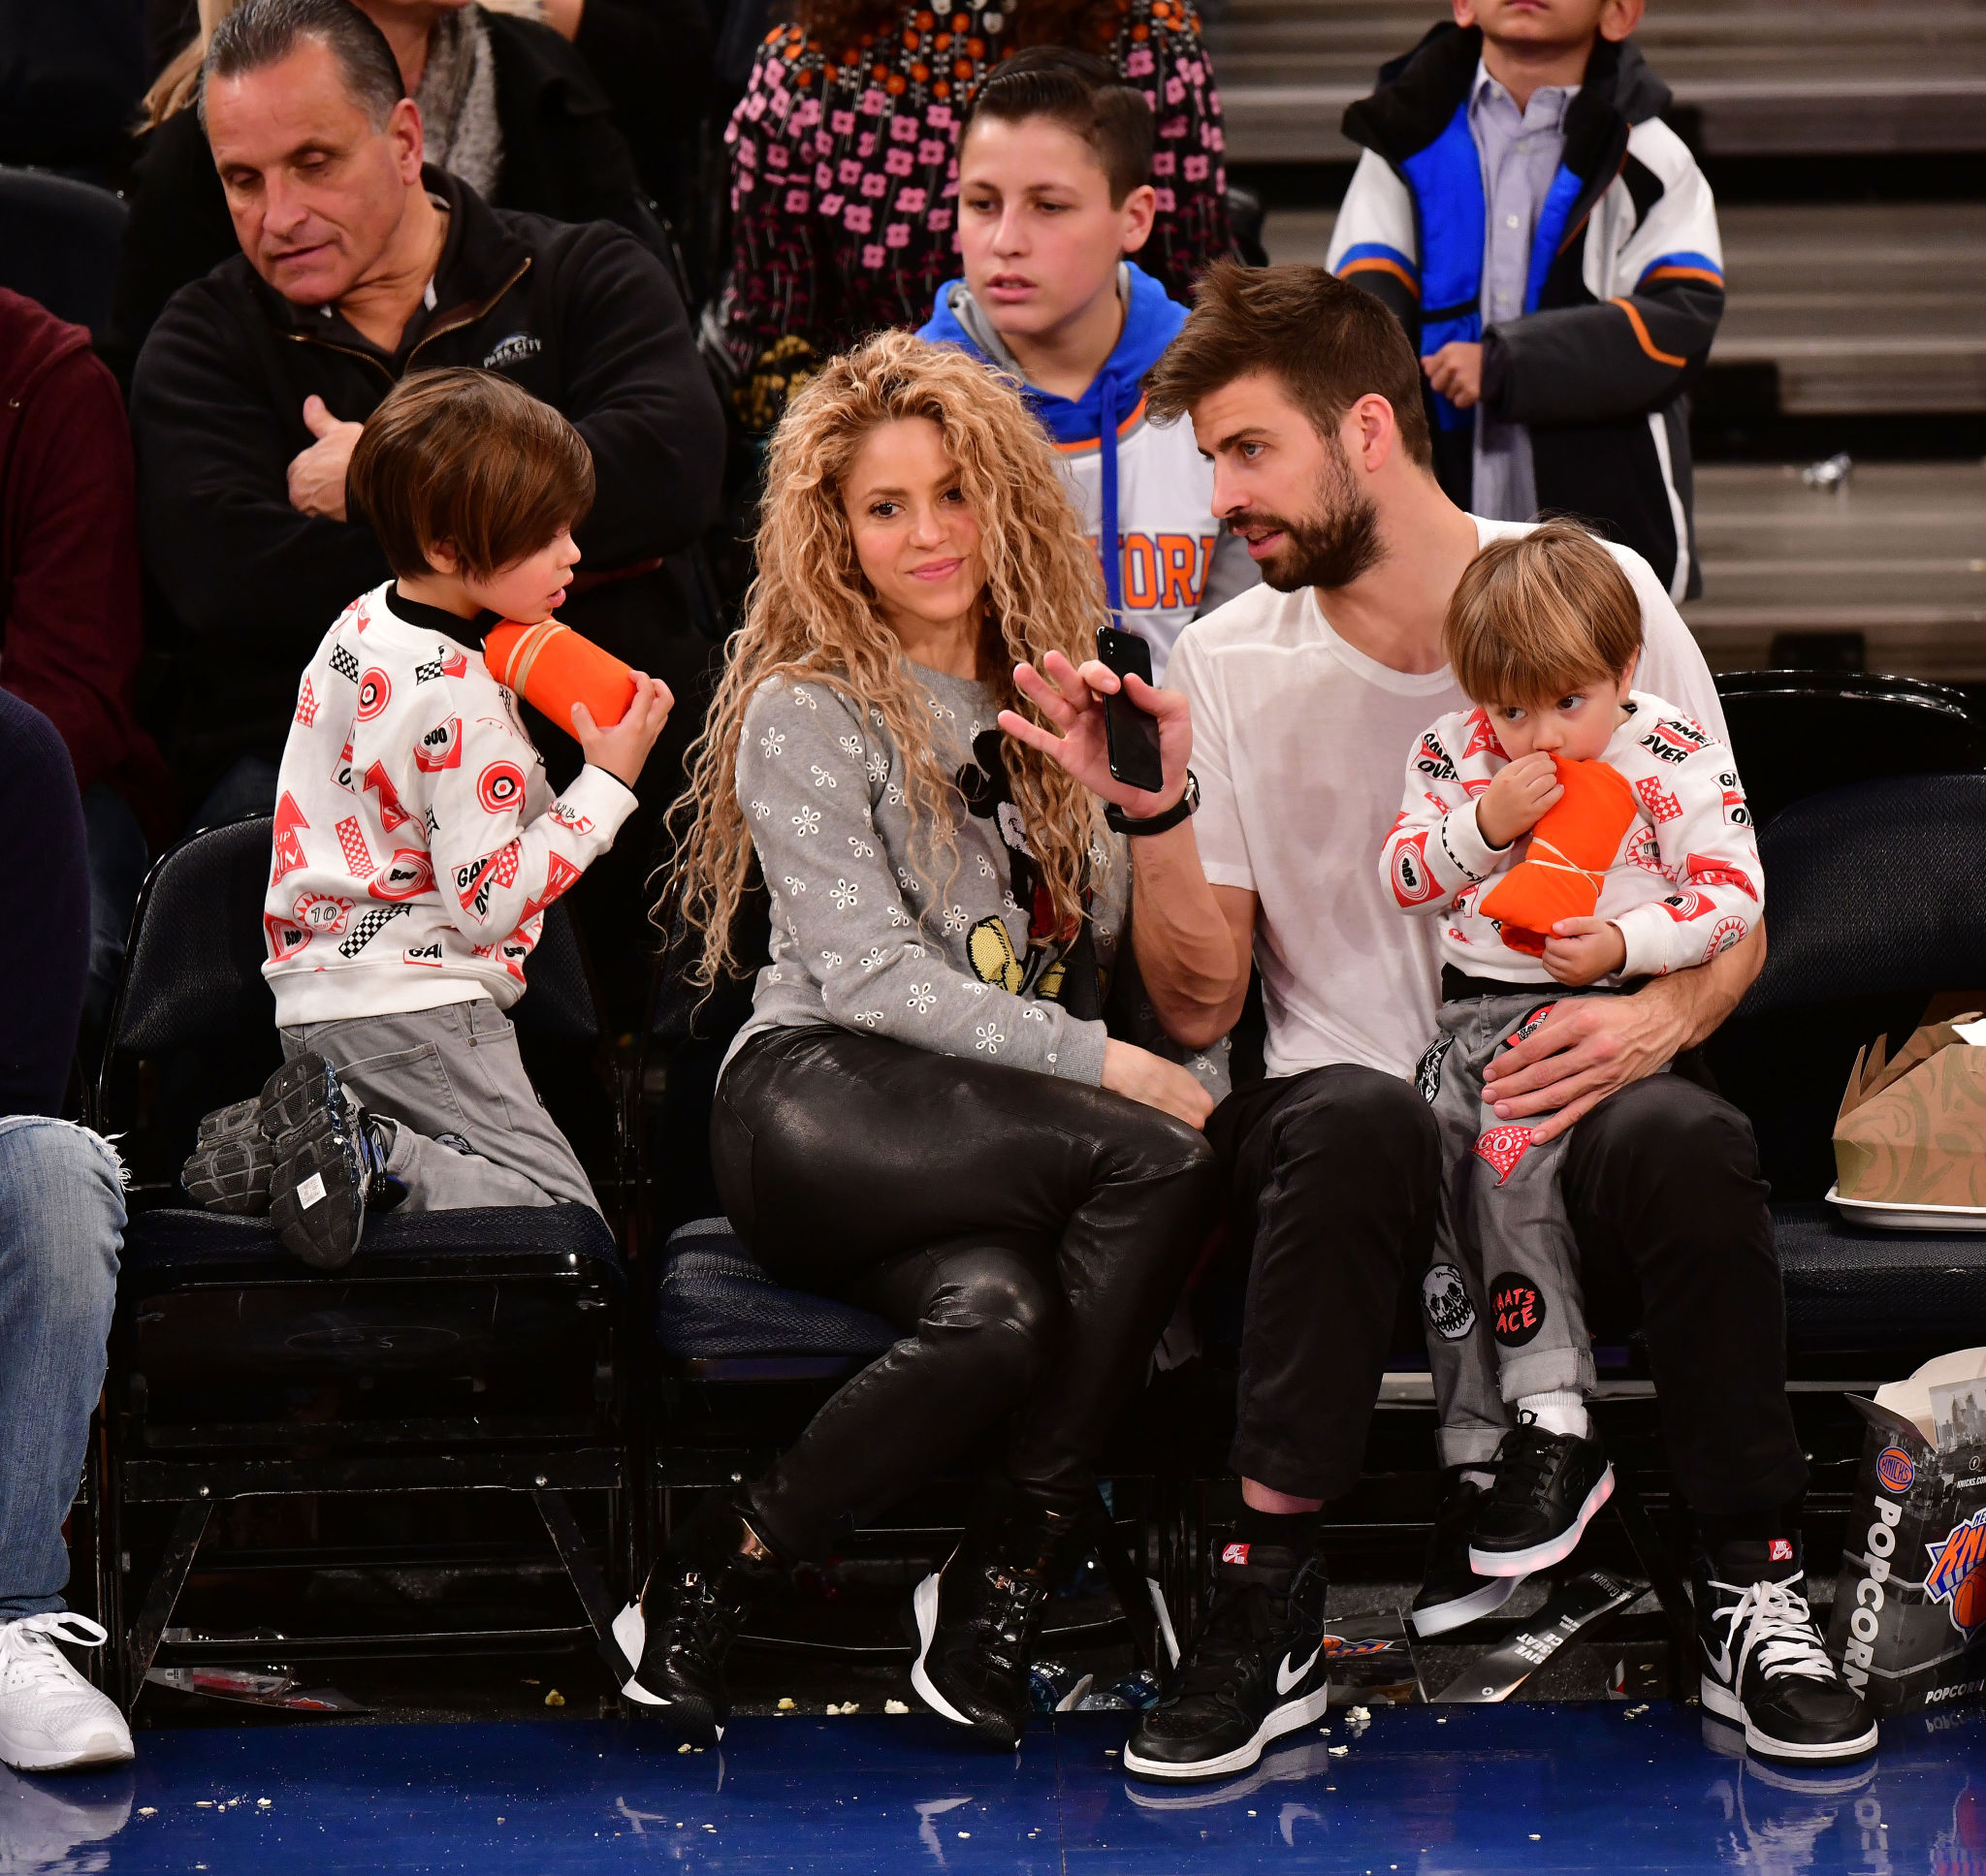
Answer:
(812, 617)
(840, 26)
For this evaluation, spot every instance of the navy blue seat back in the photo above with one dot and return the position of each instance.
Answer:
(59, 244)
(1797, 733)
(1875, 901)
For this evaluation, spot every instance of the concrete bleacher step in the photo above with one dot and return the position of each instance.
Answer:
(1862, 308)
(1764, 77)
(1869, 307)
(1897, 554)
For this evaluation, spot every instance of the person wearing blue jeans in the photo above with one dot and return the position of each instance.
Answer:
(61, 1229)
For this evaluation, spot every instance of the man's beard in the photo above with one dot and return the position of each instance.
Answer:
(1332, 545)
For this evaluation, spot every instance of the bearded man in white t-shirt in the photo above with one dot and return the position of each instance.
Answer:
(1295, 709)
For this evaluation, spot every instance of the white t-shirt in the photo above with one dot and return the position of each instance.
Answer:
(1298, 743)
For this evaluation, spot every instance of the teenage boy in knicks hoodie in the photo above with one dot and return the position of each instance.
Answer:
(1552, 248)
(1055, 192)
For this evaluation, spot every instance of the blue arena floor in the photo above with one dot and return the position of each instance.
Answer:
(1525, 1786)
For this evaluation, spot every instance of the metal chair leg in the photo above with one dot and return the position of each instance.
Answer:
(156, 1611)
(1141, 1600)
(1665, 1579)
(570, 1544)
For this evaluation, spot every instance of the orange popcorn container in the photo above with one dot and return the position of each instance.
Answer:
(553, 668)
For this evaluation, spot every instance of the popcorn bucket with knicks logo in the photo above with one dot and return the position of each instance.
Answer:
(1909, 1616)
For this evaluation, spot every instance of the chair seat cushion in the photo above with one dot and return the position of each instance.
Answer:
(1850, 1290)
(713, 1299)
(163, 1246)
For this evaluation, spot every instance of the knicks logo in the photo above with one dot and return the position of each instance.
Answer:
(407, 875)
(1956, 1576)
(1896, 1469)
(500, 787)
(375, 692)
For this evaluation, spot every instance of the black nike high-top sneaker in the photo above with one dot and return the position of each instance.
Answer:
(1763, 1667)
(1255, 1670)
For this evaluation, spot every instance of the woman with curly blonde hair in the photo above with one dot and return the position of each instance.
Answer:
(925, 1115)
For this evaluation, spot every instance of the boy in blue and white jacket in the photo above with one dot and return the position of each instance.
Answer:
(1055, 194)
(1552, 248)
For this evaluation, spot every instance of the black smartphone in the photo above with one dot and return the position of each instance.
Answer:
(1130, 734)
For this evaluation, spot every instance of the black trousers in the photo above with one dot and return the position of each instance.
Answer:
(1028, 1236)
(1335, 1181)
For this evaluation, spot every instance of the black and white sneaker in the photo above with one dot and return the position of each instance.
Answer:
(231, 1162)
(1763, 1667)
(668, 1649)
(978, 1619)
(1255, 1671)
(330, 1163)
(1548, 1486)
(1452, 1594)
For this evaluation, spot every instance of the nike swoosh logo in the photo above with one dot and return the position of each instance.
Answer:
(1287, 1676)
(1720, 1662)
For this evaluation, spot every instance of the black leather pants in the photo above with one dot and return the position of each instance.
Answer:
(1028, 1236)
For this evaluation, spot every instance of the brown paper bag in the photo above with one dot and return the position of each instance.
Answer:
(1913, 1130)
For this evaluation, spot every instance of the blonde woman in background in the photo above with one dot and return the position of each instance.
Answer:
(925, 1115)
(506, 104)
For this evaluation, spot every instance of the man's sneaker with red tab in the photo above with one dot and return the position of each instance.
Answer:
(1256, 1670)
(1763, 1667)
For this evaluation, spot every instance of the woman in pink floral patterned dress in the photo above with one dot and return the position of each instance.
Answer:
(844, 185)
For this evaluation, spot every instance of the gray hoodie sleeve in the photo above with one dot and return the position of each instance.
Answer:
(808, 782)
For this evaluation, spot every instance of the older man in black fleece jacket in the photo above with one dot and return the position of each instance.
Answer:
(358, 265)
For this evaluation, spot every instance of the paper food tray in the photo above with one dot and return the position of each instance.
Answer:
(1888, 1216)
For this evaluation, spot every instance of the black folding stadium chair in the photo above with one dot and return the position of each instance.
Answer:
(460, 1352)
(1796, 733)
(59, 243)
(1875, 901)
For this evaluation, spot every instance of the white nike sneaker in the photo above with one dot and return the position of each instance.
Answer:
(50, 1718)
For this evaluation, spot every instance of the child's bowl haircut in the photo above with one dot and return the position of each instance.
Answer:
(1535, 615)
(468, 457)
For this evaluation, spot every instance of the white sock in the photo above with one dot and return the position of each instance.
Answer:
(1476, 1477)
(1562, 1411)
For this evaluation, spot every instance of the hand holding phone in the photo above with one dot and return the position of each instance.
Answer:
(1130, 734)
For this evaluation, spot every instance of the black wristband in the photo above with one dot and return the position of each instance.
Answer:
(1119, 822)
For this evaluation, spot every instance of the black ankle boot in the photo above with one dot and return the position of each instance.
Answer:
(669, 1648)
(979, 1617)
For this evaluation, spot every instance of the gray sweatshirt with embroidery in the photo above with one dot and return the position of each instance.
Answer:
(870, 935)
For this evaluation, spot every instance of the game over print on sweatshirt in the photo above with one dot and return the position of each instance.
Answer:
(417, 840)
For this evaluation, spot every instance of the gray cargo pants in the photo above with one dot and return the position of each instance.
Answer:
(1502, 1301)
(472, 1130)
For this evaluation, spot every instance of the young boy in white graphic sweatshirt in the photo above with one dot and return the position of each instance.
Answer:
(1574, 837)
(418, 843)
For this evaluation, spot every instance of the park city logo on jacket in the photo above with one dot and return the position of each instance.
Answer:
(510, 350)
